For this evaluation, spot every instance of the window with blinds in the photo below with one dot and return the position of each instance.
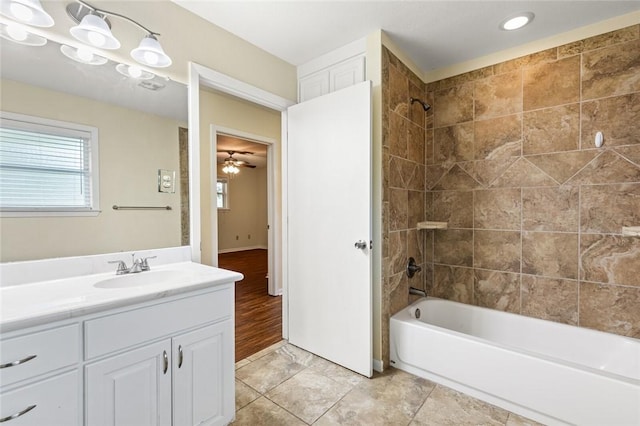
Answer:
(47, 166)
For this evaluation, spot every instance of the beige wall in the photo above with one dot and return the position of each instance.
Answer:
(535, 210)
(133, 146)
(236, 114)
(244, 225)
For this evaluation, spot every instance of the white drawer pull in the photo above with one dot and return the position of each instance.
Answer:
(16, 415)
(18, 362)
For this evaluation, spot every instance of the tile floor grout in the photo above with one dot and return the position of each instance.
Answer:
(285, 385)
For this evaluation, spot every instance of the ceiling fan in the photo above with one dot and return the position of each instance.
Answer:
(231, 164)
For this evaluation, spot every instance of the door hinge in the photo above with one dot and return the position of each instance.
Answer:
(370, 244)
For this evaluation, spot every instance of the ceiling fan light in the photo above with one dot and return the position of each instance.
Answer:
(27, 11)
(19, 34)
(150, 53)
(95, 31)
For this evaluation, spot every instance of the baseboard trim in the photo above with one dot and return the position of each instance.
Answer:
(232, 250)
(378, 365)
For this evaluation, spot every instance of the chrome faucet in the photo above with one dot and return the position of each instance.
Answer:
(137, 265)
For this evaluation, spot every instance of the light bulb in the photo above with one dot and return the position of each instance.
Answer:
(151, 58)
(134, 71)
(96, 39)
(85, 54)
(16, 32)
(21, 12)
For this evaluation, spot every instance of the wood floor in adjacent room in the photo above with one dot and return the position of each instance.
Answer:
(258, 315)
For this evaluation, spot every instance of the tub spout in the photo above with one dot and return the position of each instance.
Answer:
(417, 292)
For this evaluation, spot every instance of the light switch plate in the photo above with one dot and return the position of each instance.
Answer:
(166, 181)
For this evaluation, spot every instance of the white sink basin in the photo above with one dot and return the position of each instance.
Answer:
(140, 279)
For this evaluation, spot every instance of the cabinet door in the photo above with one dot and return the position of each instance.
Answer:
(203, 376)
(313, 86)
(132, 389)
(348, 73)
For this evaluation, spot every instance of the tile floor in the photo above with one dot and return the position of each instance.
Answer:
(285, 385)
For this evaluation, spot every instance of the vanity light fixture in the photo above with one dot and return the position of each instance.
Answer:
(26, 11)
(94, 28)
(134, 71)
(19, 34)
(83, 55)
(516, 21)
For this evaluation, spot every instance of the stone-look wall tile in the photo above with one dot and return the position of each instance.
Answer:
(399, 292)
(453, 106)
(429, 142)
(610, 308)
(397, 252)
(618, 118)
(453, 144)
(397, 135)
(428, 116)
(416, 208)
(614, 70)
(454, 247)
(487, 171)
(435, 173)
(460, 79)
(398, 209)
(415, 245)
(551, 84)
(456, 179)
(497, 290)
(607, 208)
(393, 175)
(533, 59)
(550, 209)
(496, 250)
(497, 209)
(429, 238)
(551, 130)
(417, 178)
(630, 153)
(552, 255)
(564, 165)
(608, 167)
(610, 259)
(498, 137)
(523, 173)
(452, 283)
(416, 112)
(402, 173)
(453, 207)
(599, 41)
(415, 144)
(398, 92)
(550, 299)
(498, 95)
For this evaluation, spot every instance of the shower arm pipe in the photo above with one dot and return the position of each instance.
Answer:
(126, 18)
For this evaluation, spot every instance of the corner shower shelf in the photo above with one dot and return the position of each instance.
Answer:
(432, 225)
(631, 231)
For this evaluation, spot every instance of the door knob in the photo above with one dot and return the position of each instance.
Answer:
(361, 245)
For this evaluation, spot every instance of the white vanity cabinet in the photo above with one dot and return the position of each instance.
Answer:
(166, 364)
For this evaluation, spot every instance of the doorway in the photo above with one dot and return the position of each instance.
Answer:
(243, 186)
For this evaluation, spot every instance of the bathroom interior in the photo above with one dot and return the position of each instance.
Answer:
(512, 180)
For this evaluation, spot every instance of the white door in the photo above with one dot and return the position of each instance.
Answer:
(203, 387)
(132, 389)
(329, 211)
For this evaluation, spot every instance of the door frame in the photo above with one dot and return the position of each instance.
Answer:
(201, 76)
(269, 142)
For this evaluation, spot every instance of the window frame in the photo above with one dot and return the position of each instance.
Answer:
(225, 193)
(31, 123)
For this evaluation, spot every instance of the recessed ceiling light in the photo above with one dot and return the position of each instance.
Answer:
(516, 21)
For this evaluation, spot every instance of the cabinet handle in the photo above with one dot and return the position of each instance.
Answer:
(16, 415)
(180, 356)
(166, 362)
(18, 362)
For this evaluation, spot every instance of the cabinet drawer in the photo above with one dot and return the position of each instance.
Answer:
(125, 329)
(37, 353)
(55, 402)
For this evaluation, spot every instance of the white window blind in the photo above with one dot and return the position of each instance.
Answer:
(47, 165)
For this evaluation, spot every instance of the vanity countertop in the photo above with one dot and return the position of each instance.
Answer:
(37, 303)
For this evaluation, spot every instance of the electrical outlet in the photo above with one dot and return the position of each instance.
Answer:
(166, 181)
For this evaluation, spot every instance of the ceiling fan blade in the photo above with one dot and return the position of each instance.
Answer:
(232, 152)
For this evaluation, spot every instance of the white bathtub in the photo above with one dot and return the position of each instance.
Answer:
(549, 372)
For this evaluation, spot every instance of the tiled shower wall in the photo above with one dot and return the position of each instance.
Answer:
(535, 210)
